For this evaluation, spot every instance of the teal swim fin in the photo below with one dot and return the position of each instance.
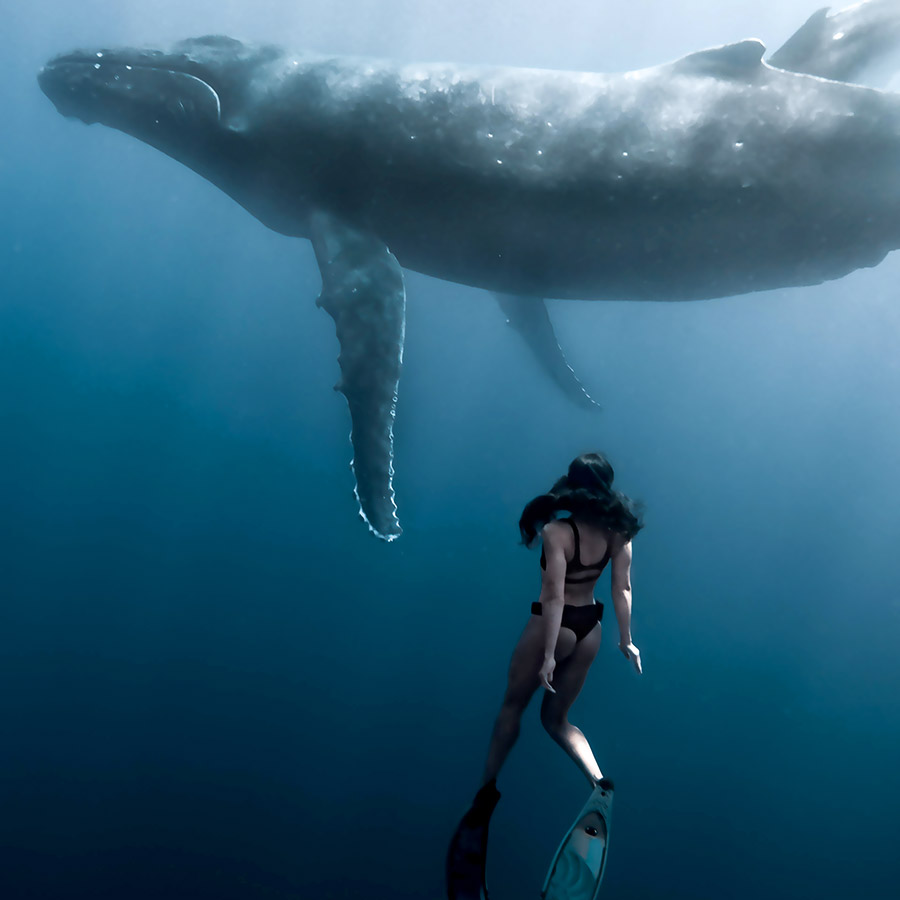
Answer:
(577, 869)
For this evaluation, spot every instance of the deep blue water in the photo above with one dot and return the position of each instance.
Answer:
(218, 685)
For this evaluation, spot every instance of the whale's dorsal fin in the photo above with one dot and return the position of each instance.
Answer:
(731, 61)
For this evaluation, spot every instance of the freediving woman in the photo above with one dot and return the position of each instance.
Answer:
(560, 639)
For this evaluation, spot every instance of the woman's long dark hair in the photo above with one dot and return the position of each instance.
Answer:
(586, 491)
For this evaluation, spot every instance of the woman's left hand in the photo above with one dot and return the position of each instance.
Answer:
(546, 673)
(633, 655)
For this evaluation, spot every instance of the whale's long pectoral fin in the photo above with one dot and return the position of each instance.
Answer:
(843, 46)
(363, 291)
(529, 316)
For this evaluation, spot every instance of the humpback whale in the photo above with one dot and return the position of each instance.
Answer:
(714, 175)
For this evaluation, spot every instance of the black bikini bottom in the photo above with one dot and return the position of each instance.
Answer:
(580, 619)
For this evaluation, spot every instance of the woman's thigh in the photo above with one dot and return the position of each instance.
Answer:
(527, 657)
(570, 675)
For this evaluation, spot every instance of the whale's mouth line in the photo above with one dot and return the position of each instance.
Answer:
(99, 62)
(196, 78)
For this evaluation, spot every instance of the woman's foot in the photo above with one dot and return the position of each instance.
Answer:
(486, 798)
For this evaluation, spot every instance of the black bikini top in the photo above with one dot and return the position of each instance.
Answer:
(576, 571)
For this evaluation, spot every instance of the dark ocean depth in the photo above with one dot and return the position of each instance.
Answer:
(218, 686)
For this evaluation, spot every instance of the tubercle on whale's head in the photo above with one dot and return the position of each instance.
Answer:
(157, 95)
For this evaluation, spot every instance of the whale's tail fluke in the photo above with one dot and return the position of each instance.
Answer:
(855, 43)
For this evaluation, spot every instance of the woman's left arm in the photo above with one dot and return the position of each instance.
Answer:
(621, 597)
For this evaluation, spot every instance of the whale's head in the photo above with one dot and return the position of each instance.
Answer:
(174, 100)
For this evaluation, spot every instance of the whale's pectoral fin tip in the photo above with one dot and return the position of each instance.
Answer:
(529, 316)
(387, 537)
(363, 291)
(393, 530)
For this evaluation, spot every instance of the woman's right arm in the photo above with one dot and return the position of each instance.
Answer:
(553, 589)
(621, 597)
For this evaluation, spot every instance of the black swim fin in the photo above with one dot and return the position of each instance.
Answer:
(467, 854)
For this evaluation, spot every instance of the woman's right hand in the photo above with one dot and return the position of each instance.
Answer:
(633, 655)
(546, 673)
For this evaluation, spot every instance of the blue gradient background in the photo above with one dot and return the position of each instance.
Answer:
(218, 685)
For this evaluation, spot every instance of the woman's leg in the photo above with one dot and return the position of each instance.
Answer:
(522, 682)
(568, 679)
